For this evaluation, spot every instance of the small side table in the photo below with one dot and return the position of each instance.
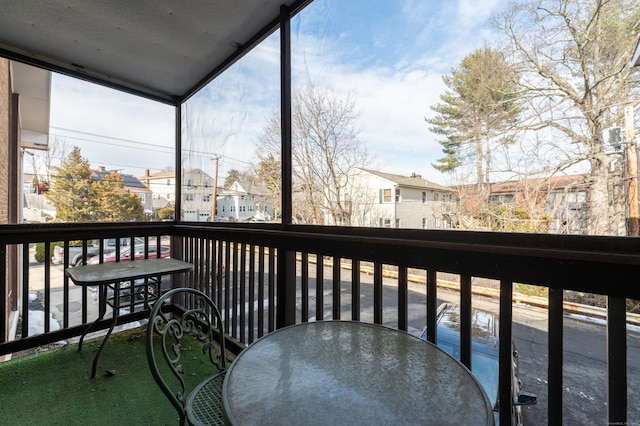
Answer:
(110, 275)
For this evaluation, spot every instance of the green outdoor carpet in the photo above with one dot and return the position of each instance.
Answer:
(54, 388)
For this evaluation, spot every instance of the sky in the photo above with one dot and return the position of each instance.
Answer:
(389, 55)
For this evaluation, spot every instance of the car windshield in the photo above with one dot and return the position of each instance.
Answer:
(483, 367)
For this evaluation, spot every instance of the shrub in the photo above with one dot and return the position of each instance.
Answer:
(40, 248)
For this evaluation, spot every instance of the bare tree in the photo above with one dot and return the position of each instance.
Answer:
(325, 149)
(573, 57)
(44, 161)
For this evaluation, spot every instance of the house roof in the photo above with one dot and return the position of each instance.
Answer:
(162, 49)
(549, 184)
(246, 188)
(413, 182)
(130, 181)
(170, 174)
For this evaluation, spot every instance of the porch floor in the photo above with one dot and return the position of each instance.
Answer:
(54, 388)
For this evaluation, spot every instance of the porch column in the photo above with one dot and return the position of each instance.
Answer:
(286, 308)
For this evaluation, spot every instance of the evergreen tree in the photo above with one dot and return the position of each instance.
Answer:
(74, 192)
(116, 203)
(476, 111)
(79, 198)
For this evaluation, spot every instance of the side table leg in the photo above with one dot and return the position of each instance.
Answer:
(116, 310)
(102, 310)
(94, 367)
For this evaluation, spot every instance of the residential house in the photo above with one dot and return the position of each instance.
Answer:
(562, 202)
(393, 201)
(131, 184)
(197, 192)
(245, 202)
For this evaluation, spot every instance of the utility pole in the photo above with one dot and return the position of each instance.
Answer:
(215, 190)
(633, 228)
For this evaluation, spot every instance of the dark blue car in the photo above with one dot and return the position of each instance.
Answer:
(484, 355)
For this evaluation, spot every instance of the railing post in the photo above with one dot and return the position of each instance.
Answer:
(286, 308)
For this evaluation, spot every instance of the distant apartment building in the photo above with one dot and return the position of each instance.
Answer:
(386, 200)
(562, 202)
(244, 202)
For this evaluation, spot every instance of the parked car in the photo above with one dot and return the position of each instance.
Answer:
(484, 355)
(93, 250)
(142, 291)
(138, 253)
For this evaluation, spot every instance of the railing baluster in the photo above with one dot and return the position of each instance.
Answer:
(336, 288)
(403, 299)
(355, 290)
(47, 286)
(25, 292)
(465, 320)
(319, 287)
(377, 293)
(243, 294)
(272, 288)
(432, 301)
(261, 284)
(504, 351)
(556, 354)
(252, 290)
(304, 285)
(227, 297)
(235, 288)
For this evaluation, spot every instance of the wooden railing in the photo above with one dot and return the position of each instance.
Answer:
(265, 277)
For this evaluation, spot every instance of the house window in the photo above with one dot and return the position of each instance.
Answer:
(189, 182)
(188, 197)
(424, 222)
(435, 196)
(424, 198)
(206, 183)
(386, 196)
(398, 199)
(437, 222)
(397, 223)
(206, 198)
(168, 181)
(386, 223)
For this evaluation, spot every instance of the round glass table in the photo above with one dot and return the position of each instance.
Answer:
(350, 373)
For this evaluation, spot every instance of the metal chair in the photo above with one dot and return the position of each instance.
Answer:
(198, 323)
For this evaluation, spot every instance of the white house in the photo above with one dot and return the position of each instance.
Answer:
(379, 199)
(245, 202)
(197, 192)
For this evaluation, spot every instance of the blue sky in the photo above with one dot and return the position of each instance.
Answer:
(390, 55)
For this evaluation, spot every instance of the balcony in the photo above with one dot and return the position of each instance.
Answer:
(269, 277)
(583, 366)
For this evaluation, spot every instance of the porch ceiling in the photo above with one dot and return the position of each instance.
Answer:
(162, 49)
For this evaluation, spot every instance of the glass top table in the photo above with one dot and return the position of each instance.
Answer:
(350, 373)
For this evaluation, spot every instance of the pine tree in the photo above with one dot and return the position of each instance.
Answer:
(116, 203)
(73, 192)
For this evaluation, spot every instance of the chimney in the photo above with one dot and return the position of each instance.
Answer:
(102, 169)
(415, 175)
(147, 178)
